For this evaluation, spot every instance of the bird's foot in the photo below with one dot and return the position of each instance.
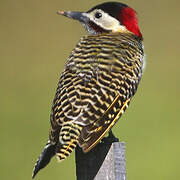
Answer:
(110, 139)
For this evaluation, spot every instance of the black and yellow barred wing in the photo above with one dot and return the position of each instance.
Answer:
(93, 133)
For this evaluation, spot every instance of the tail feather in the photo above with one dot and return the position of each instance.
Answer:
(65, 150)
(45, 157)
(69, 137)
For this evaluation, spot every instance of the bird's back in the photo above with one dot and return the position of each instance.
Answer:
(99, 79)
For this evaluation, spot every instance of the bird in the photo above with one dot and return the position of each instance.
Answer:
(99, 79)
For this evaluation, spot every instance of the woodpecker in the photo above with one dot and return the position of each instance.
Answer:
(98, 82)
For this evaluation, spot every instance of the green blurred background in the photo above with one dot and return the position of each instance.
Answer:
(34, 46)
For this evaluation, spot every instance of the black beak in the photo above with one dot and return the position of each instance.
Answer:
(80, 16)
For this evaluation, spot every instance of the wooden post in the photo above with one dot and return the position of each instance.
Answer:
(106, 161)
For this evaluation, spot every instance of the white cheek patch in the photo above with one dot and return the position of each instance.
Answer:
(106, 22)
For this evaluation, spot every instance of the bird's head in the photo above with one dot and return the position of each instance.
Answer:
(107, 17)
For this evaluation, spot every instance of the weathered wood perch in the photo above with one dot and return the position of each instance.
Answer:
(104, 162)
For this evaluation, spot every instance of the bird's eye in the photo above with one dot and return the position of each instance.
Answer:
(98, 15)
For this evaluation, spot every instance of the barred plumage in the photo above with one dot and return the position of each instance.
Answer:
(68, 139)
(100, 78)
(95, 81)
